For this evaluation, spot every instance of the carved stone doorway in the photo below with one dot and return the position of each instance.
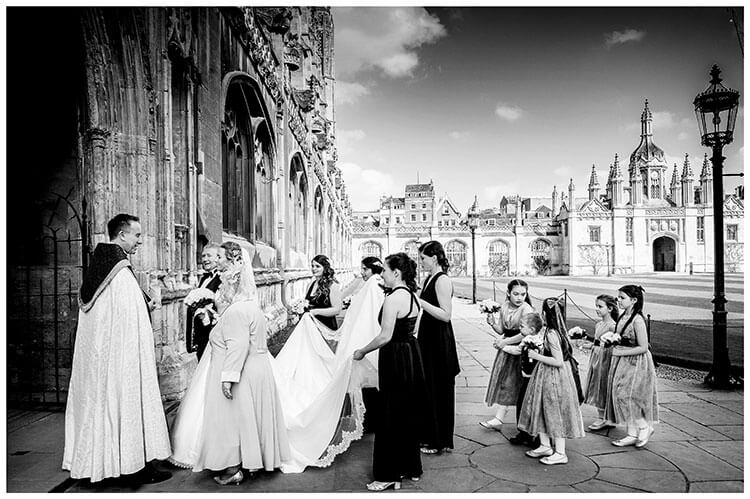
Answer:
(664, 254)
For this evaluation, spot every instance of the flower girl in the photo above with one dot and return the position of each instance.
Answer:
(631, 390)
(550, 408)
(505, 379)
(600, 358)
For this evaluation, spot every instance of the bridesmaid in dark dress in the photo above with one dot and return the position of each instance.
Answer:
(400, 377)
(438, 347)
(324, 294)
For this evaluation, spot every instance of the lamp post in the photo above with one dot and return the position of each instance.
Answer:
(473, 217)
(716, 111)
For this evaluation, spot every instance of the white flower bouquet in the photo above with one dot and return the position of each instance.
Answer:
(489, 306)
(577, 333)
(610, 339)
(300, 307)
(203, 301)
(533, 342)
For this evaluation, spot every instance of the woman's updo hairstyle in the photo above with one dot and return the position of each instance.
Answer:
(373, 263)
(407, 267)
(233, 251)
(434, 248)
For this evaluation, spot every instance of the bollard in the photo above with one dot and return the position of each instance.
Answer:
(691, 268)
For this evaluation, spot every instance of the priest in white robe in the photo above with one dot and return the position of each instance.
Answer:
(114, 419)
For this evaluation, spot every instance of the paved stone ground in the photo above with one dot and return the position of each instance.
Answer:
(697, 447)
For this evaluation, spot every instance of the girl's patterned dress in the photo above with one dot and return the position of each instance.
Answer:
(551, 402)
(599, 362)
(631, 390)
(505, 379)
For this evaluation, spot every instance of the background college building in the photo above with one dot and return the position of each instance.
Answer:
(649, 216)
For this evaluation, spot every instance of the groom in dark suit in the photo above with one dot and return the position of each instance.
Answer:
(196, 336)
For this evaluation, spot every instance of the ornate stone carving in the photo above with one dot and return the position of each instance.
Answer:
(305, 99)
(260, 52)
(277, 19)
(662, 212)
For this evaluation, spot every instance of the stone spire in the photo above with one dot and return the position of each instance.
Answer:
(593, 184)
(674, 187)
(554, 200)
(646, 120)
(571, 196)
(615, 184)
(707, 182)
(688, 198)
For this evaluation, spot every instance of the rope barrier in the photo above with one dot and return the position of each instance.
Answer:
(580, 309)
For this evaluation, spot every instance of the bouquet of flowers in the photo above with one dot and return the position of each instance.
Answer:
(488, 306)
(577, 333)
(533, 342)
(346, 302)
(203, 301)
(610, 339)
(300, 307)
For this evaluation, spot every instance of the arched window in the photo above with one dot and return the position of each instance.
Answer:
(246, 159)
(318, 223)
(540, 255)
(456, 253)
(498, 261)
(370, 248)
(302, 213)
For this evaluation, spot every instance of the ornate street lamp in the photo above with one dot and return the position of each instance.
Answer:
(716, 111)
(473, 216)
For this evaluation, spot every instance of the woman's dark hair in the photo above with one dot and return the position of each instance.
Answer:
(611, 303)
(434, 248)
(373, 263)
(407, 267)
(519, 282)
(326, 279)
(636, 292)
(553, 318)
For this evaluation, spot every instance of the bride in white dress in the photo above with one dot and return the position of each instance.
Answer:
(319, 387)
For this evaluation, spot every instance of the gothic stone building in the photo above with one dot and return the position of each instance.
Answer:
(651, 223)
(210, 124)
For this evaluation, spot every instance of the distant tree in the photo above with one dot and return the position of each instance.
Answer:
(734, 256)
(541, 264)
(593, 255)
(498, 266)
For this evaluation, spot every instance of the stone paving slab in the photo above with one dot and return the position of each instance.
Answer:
(705, 413)
(634, 459)
(731, 452)
(505, 486)
(466, 479)
(687, 425)
(695, 463)
(513, 465)
(645, 480)
(601, 486)
(735, 432)
(718, 486)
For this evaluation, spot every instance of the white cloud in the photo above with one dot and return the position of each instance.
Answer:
(366, 185)
(383, 38)
(508, 112)
(458, 135)
(345, 139)
(683, 136)
(349, 92)
(620, 37)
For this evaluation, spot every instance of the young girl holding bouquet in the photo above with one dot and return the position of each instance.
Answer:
(631, 390)
(505, 379)
(600, 359)
(550, 408)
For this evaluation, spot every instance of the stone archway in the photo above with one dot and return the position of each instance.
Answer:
(664, 254)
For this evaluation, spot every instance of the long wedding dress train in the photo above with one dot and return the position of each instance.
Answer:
(319, 387)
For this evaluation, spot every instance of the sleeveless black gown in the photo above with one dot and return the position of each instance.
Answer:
(438, 347)
(322, 300)
(401, 379)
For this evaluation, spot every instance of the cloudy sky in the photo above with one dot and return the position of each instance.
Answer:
(494, 101)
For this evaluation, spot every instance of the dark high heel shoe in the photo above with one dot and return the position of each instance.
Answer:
(235, 479)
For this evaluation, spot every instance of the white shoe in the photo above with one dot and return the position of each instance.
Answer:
(541, 451)
(625, 441)
(555, 458)
(643, 436)
(598, 425)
